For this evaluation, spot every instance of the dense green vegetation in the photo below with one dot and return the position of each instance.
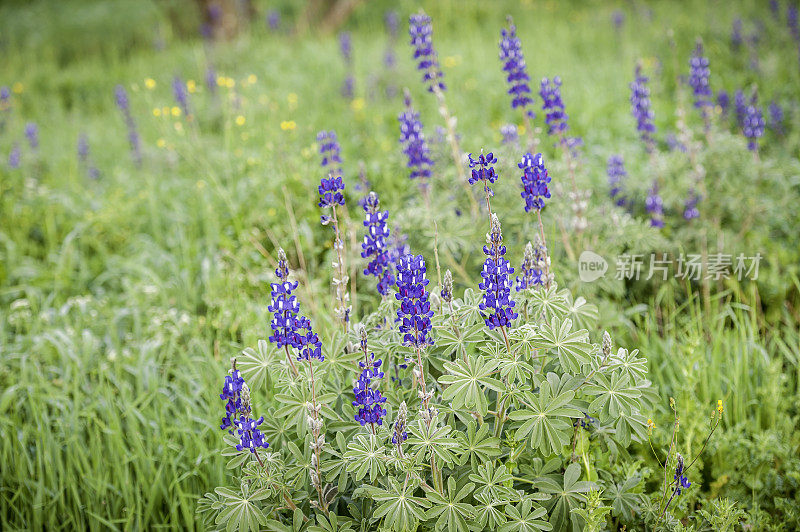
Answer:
(124, 294)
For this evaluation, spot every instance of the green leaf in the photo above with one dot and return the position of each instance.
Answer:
(466, 381)
(400, 509)
(488, 515)
(365, 455)
(451, 512)
(615, 396)
(547, 304)
(525, 517)
(623, 503)
(495, 483)
(547, 419)
(566, 497)
(573, 348)
(477, 446)
(239, 512)
(425, 440)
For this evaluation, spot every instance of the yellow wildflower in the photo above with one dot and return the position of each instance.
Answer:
(191, 86)
(251, 79)
(150, 83)
(240, 120)
(720, 408)
(17, 88)
(161, 143)
(288, 125)
(156, 112)
(176, 111)
(357, 104)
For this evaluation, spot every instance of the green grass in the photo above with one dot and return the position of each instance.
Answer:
(121, 300)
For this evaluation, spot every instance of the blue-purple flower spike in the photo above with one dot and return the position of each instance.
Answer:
(698, 79)
(655, 206)
(231, 393)
(32, 134)
(238, 413)
(331, 187)
(776, 117)
(421, 32)
(514, 66)
(306, 341)
(414, 314)
(283, 305)
(483, 171)
(14, 156)
(121, 97)
(415, 147)
(534, 181)
(181, 95)
(616, 175)
(531, 274)
(497, 305)
(368, 399)
(753, 125)
(374, 245)
(690, 210)
(640, 108)
(553, 106)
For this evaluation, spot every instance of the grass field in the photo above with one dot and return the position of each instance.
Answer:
(123, 294)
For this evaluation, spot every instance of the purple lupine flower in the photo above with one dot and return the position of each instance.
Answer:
(346, 47)
(682, 481)
(497, 304)
(740, 104)
(32, 134)
(274, 19)
(753, 125)
(514, 66)
(399, 434)
(392, 21)
(775, 8)
(690, 210)
(655, 206)
(618, 18)
(791, 21)
(415, 147)
(616, 175)
(421, 32)
(330, 188)
(674, 144)
(231, 394)
(83, 148)
(531, 275)
(698, 78)
(14, 156)
(374, 245)
(736, 34)
(776, 117)
(181, 95)
(5, 95)
(5, 106)
(283, 305)
(368, 399)
(250, 437)
(510, 133)
(211, 79)
(553, 106)
(485, 172)
(414, 314)
(640, 108)
(398, 245)
(534, 181)
(121, 97)
(724, 102)
(306, 341)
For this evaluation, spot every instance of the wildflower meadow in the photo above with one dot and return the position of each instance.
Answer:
(341, 265)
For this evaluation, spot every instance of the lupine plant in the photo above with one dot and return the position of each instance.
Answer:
(123, 103)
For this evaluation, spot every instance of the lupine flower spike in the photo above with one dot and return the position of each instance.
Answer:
(374, 245)
(497, 305)
(690, 210)
(483, 171)
(238, 411)
(32, 134)
(368, 400)
(121, 97)
(776, 118)
(415, 147)
(535, 179)
(331, 196)
(640, 108)
(517, 76)
(285, 308)
(346, 47)
(753, 124)
(616, 175)
(698, 81)
(181, 96)
(655, 206)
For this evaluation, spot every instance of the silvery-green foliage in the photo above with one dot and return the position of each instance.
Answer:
(523, 436)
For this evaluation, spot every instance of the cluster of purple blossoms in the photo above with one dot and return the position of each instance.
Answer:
(618, 18)
(15, 156)
(753, 125)
(616, 174)
(724, 102)
(368, 399)
(84, 159)
(776, 117)
(346, 47)
(399, 434)
(484, 172)
(775, 9)
(740, 106)
(374, 245)
(5, 105)
(32, 134)
(250, 437)
(306, 341)
(497, 302)
(640, 108)
(284, 306)
(515, 68)
(510, 133)
(553, 106)
(534, 181)
(121, 97)
(237, 413)
(698, 78)
(414, 314)
(736, 34)
(181, 95)
(331, 187)
(231, 393)
(421, 32)
(274, 19)
(791, 21)
(415, 147)
(655, 206)
(682, 482)
(690, 210)
(531, 274)
(211, 79)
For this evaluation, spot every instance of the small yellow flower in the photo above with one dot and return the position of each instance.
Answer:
(521, 129)
(650, 424)
(288, 125)
(357, 104)
(176, 111)
(240, 120)
(156, 112)
(452, 60)
(191, 86)
(251, 79)
(161, 143)
(17, 88)
(150, 83)
(221, 81)
(230, 83)
(271, 212)
(165, 111)
(201, 184)
(292, 99)
(720, 408)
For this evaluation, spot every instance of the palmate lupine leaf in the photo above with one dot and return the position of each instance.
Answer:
(567, 496)
(400, 509)
(624, 503)
(425, 440)
(466, 382)
(335, 467)
(477, 445)
(584, 314)
(294, 409)
(451, 512)
(547, 418)
(547, 304)
(240, 513)
(615, 395)
(630, 426)
(494, 483)
(454, 344)
(573, 348)
(488, 514)
(468, 311)
(365, 455)
(255, 363)
(630, 363)
(525, 517)
(331, 523)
